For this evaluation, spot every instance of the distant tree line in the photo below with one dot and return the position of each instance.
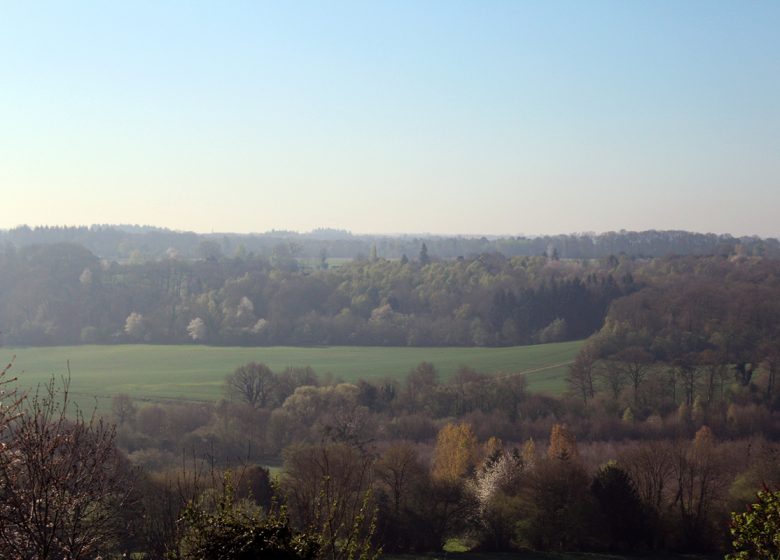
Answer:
(126, 242)
(64, 294)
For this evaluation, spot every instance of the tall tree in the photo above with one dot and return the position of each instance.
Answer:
(456, 452)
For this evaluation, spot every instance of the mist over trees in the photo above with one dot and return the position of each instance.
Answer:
(125, 242)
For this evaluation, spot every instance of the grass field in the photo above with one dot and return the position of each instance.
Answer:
(192, 372)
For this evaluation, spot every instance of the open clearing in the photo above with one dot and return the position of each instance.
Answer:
(191, 372)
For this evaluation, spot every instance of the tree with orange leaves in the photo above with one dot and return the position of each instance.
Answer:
(456, 452)
(563, 444)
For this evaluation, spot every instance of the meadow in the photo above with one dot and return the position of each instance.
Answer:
(197, 373)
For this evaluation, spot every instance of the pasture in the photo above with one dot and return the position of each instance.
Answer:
(195, 373)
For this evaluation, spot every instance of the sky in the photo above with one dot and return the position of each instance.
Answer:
(442, 117)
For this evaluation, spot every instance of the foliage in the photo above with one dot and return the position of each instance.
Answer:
(59, 294)
(756, 532)
(456, 452)
(558, 507)
(619, 506)
(563, 444)
(236, 532)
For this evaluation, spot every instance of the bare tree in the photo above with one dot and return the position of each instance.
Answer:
(327, 488)
(9, 405)
(582, 373)
(123, 408)
(62, 482)
(252, 383)
(636, 363)
(651, 466)
(397, 469)
(698, 470)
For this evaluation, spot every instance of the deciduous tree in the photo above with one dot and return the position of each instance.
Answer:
(63, 483)
(456, 452)
(756, 532)
(252, 383)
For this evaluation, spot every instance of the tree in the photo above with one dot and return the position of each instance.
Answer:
(553, 332)
(456, 452)
(563, 444)
(651, 466)
(397, 469)
(445, 508)
(500, 471)
(63, 484)
(756, 532)
(400, 480)
(196, 329)
(559, 508)
(511, 391)
(420, 383)
(635, 362)
(698, 472)
(424, 258)
(581, 374)
(235, 531)
(327, 490)
(252, 383)
(134, 325)
(210, 250)
(9, 403)
(123, 408)
(619, 506)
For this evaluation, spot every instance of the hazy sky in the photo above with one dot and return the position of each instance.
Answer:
(425, 116)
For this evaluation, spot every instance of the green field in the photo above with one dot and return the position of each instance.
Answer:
(193, 372)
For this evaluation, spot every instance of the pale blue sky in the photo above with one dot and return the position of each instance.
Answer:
(442, 117)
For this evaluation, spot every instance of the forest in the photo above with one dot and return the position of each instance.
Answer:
(63, 294)
(668, 428)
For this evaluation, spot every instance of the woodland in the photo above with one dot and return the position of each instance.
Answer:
(668, 427)
(65, 286)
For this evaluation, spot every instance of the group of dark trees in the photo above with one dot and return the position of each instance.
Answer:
(698, 325)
